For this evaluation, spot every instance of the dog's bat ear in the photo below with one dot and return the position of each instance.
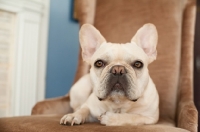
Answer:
(90, 40)
(147, 37)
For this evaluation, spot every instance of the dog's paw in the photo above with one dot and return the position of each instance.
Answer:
(72, 119)
(107, 118)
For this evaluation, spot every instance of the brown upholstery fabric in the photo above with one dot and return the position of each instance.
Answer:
(172, 72)
(51, 124)
(187, 113)
(51, 106)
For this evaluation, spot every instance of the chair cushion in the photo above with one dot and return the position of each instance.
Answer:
(50, 123)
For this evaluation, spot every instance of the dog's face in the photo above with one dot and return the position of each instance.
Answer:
(119, 69)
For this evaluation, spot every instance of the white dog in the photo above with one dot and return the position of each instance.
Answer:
(118, 90)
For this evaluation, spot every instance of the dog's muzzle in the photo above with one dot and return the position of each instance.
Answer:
(117, 81)
(117, 78)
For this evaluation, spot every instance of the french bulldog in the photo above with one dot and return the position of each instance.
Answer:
(118, 90)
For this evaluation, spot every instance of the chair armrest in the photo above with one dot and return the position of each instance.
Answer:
(187, 114)
(58, 105)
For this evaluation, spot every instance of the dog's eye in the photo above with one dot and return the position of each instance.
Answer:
(138, 64)
(99, 63)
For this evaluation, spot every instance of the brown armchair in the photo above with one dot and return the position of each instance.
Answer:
(172, 72)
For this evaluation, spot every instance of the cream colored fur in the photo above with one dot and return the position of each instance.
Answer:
(116, 108)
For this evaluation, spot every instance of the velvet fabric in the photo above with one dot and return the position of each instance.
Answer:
(50, 123)
(172, 72)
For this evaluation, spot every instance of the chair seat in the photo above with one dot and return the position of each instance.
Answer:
(50, 123)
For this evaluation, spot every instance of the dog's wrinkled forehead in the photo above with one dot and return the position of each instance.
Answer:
(119, 53)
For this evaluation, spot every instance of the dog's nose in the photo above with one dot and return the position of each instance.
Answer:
(118, 70)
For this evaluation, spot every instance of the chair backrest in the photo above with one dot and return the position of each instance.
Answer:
(118, 21)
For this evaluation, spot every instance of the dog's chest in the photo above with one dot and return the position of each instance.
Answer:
(119, 107)
(119, 110)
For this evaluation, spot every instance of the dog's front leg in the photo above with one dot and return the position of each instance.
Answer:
(123, 119)
(77, 117)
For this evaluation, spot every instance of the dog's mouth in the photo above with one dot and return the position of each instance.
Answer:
(117, 87)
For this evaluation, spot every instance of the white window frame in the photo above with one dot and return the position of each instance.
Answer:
(30, 53)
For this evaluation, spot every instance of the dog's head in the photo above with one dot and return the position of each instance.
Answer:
(119, 69)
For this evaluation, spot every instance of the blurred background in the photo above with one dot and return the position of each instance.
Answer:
(39, 51)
